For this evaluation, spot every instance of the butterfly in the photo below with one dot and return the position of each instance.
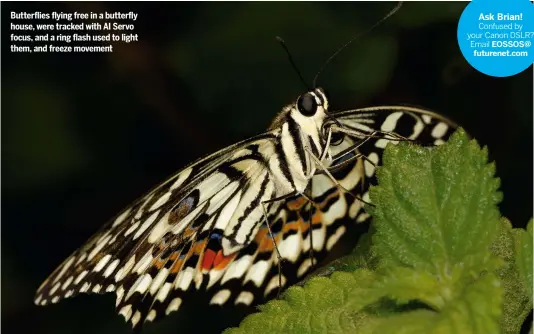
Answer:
(248, 220)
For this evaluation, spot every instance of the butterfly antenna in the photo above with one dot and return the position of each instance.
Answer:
(391, 12)
(281, 41)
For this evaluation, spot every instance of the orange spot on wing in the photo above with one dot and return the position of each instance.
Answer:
(158, 263)
(297, 225)
(317, 218)
(222, 261)
(294, 225)
(264, 240)
(297, 204)
(302, 225)
(198, 248)
(261, 235)
(176, 266)
(267, 245)
(188, 233)
(173, 256)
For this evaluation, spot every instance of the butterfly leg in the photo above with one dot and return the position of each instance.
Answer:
(279, 256)
(266, 221)
(279, 262)
(316, 206)
(310, 221)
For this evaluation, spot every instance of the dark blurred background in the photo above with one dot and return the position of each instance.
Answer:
(83, 135)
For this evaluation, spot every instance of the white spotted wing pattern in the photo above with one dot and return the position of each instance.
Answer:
(204, 228)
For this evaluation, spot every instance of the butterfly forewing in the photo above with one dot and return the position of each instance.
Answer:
(184, 234)
(160, 230)
(203, 229)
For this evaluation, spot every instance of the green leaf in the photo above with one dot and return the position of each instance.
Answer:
(418, 321)
(517, 303)
(435, 206)
(362, 256)
(523, 258)
(406, 284)
(476, 311)
(323, 305)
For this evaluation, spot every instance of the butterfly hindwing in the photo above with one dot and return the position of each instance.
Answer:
(253, 276)
(386, 125)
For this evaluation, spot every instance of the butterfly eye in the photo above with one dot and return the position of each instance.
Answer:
(336, 139)
(307, 105)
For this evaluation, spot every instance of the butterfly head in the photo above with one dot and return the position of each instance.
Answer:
(311, 104)
(313, 107)
(310, 110)
(310, 113)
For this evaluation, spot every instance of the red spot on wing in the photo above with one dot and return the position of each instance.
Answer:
(207, 261)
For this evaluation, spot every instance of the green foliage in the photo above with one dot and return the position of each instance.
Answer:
(523, 257)
(437, 259)
(326, 305)
(517, 295)
(435, 206)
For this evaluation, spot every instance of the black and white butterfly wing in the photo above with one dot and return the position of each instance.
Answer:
(377, 127)
(159, 247)
(420, 125)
